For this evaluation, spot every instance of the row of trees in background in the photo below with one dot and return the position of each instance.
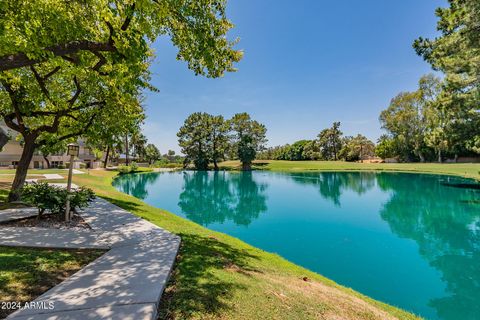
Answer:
(442, 118)
(329, 145)
(206, 139)
(424, 125)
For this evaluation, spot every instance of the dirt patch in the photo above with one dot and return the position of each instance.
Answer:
(340, 304)
(55, 221)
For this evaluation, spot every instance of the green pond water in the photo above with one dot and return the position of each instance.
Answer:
(410, 240)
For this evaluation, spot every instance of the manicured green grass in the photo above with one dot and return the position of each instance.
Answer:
(220, 277)
(27, 273)
(36, 171)
(470, 170)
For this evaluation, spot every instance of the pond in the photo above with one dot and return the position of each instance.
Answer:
(410, 240)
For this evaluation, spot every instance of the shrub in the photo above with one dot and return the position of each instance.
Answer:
(61, 166)
(83, 165)
(52, 198)
(124, 169)
(81, 197)
(133, 167)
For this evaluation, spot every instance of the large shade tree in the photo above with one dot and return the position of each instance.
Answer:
(194, 139)
(64, 64)
(219, 137)
(249, 137)
(330, 142)
(411, 117)
(456, 53)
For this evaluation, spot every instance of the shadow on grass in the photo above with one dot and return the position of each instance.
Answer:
(203, 278)
(26, 273)
(124, 204)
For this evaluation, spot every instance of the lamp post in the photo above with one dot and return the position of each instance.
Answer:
(72, 151)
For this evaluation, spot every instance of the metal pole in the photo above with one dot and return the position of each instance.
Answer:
(69, 187)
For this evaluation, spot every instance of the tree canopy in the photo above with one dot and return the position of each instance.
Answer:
(205, 138)
(456, 53)
(64, 65)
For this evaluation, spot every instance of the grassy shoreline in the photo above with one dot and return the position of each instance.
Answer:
(466, 170)
(221, 277)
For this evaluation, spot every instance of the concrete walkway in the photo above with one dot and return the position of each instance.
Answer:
(17, 213)
(125, 283)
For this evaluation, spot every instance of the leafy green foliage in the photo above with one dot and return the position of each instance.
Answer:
(425, 122)
(357, 148)
(205, 138)
(456, 53)
(248, 138)
(152, 153)
(194, 139)
(52, 198)
(386, 147)
(330, 142)
(299, 150)
(124, 169)
(74, 68)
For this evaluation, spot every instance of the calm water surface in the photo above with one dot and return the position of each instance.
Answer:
(410, 240)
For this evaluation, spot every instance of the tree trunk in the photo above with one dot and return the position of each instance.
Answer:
(22, 168)
(105, 163)
(126, 150)
(421, 156)
(45, 156)
(439, 156)
(3, 138)
(215, 165)
(246, 166)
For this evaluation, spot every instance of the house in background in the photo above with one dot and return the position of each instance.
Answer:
(12, 151)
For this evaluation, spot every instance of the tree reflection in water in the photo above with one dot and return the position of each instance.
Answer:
(216, 197)
(441, 217)
(445, 223)
(332, 184)
(136, 184)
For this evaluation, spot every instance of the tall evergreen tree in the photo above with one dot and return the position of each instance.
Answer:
(330, 142)
(248, 138)
(194, 139)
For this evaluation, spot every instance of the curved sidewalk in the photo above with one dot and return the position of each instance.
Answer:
(125, 283)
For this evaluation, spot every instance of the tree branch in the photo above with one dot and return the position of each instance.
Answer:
(129, 17)
(40, 82)
(72, 101)
(18, 60)
(51, 73)
(100, 62)
(64, 113)
(17, 113)
(9, 122)
(73, 134)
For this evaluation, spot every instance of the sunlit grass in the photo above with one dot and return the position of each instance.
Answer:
(220, 277)
(27, 273)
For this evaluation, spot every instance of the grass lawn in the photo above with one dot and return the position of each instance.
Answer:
(27, 273)
(221, 277)
(470, 170)
(6, 179)
(35, 171)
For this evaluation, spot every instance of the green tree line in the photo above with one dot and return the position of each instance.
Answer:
(329, 145)
(442, 117)
(206, 139)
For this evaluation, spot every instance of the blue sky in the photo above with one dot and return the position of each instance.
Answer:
(306, 64)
